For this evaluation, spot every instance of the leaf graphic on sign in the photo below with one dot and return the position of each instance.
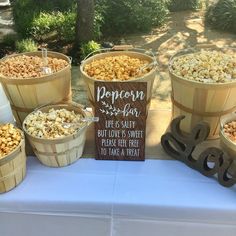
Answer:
(103, 103)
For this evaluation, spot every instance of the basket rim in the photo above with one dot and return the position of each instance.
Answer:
(33, 79)
(197, 50)
(224, 120)
(60, 139)
(13, 153)
(154, 69)
(226, 140)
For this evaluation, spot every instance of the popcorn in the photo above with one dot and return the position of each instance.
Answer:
(10, 138)
(206, 66)
(28, 66)
(49, 124)
(230, 130)
(117, 68)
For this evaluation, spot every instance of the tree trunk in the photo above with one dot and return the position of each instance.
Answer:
(85, 18)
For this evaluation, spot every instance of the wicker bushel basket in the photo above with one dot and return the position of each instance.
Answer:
(13, 168)
(29, 93)
(228, 145)
(149, 77)
(201, 101)
(63, 151)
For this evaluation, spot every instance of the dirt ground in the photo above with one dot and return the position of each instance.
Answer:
(183, 30)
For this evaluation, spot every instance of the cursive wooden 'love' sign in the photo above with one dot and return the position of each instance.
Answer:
(120, 132)
(209, 162)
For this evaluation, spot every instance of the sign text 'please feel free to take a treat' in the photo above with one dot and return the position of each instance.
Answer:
(121, 108)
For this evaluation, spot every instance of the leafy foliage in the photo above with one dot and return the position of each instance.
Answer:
(222, 15)
(56, 19)
(61, 24)
(182, 5)
(88, 48)
(26, 45)
(127, 16)
(34, 18)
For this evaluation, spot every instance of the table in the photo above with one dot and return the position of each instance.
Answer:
(112, 198)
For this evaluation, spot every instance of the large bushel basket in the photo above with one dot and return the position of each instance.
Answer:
(26, 94)
(199, 101)
(149, 78)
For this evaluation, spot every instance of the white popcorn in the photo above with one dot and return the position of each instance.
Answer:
(50, 124)
(206, 66)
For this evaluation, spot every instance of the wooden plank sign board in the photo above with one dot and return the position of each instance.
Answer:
(120, 132)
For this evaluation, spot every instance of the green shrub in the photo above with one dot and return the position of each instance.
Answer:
(182, 5)
(89, 47)
(26, 45)
(98, 19)
(30, 16)
(222, 15)
(23, 14)
(62, 24)
(128, 16)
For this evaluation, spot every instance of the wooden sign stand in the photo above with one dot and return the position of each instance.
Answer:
(211, 161)
(120, 132)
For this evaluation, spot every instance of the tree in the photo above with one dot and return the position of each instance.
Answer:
(85, 19)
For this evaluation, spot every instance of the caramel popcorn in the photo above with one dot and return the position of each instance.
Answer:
(10, 138)
(230, 130)
(49, 124)
(29, 66)
(206, 66)
(117, 68)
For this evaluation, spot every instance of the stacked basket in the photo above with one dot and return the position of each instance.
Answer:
(26, 94)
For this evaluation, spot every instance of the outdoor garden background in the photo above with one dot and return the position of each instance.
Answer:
(77, 28)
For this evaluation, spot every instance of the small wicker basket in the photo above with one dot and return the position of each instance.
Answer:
(13, 168)
(228, 145)
(61, 151)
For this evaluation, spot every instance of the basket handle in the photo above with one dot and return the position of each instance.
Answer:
(86, 109)
(44, 105)
(70, 59)
(96, 51)
(126, 47)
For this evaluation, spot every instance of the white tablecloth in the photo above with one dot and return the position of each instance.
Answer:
(112, 198)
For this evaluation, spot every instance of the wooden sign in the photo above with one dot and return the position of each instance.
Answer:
(120, 132)
(209, 162)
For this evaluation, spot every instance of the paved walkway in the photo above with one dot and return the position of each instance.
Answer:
(184, 29)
